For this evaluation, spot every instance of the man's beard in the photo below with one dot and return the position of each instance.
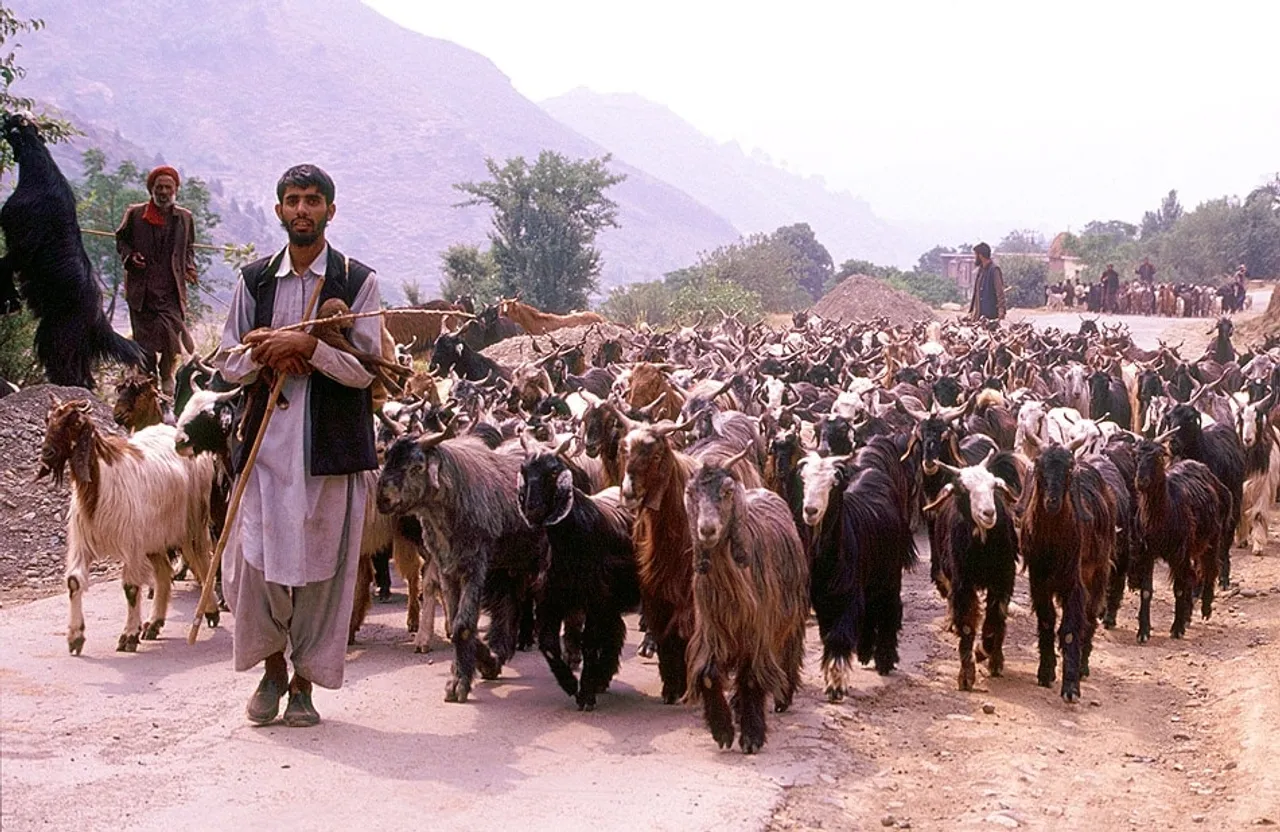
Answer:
(305, 238)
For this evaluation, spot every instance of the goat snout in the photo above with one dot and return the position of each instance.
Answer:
(708, 531)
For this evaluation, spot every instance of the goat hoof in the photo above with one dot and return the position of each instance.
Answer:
(648, 648)
(213, 618)
(723, 735)
(75, 644)
(151, 630)
(412, 623)
(835, 695)
(127, 643)
(750, 745)
(968, 675)
(1143, 638)
(456, 691)
(586, 703)
(1071, 695)
(223, 606)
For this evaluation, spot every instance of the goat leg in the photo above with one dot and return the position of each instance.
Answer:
(1046, 619)
(715, 708)
(1146, 588)
(466, 590)
(993, 629)
(749, 699)
(1070, 635)
(671, 667)
(160, 604)
(964, 618)
(360, 606)
(549, 619)
(128, 642)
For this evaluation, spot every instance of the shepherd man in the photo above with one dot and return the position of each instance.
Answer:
(294, 550)
(988, 286)
(156, 242)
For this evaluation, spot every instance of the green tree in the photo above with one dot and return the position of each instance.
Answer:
(931, 261)
(762, 264)
(195, 197)
(545, 220)
(1024, 280)
(1163, 219)
(1025, 241)
(53, 129)
(714, 295)
(811, 262)
(469, 271)
(648, 303)
(102, 198)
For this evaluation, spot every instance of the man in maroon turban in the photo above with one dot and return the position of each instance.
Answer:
(155, 242)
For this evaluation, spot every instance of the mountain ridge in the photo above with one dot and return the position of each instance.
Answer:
(209, 88)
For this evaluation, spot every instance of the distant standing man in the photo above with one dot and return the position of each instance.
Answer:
(988, 286)
(155, 241)
(1110, 288)
(1146, 272)
(291, 560)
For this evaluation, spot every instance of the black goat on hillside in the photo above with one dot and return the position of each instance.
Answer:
(45, 255)
(1067, 535)
(1220, 449)
(592, 570)
(1182, 512)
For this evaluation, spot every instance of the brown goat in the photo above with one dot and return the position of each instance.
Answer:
(137, 402)
(750, 598)
(537, 322)
(651, 388)
(419, 331)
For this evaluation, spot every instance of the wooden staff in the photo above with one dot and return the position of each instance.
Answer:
(233, 507)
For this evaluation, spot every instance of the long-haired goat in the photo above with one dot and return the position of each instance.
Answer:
(592, 570)
(131, 501)
(1067, 535)
(1262, 472)
(1219, 448)
(464, 494)
(860, 542)
(979, 551)
(1182, 513)
(750, 605)
(45, 254)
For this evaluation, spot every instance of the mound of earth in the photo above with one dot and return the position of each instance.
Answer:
(861, 298)
(1262, 326)
(33, 514)
(516, 351)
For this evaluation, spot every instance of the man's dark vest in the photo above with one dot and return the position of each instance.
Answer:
(341, 417)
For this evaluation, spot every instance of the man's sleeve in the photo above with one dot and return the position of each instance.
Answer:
(237, 368)
(366, 335)
(124, 236)
(189, 256)
(998, 277)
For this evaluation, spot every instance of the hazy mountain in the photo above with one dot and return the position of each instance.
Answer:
(752, 193)
(241, 89)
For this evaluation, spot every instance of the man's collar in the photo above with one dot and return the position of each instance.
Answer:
(322, 260)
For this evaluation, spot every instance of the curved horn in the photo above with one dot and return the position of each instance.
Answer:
(1166, 436)
(943, 496)
(673, 427)
(395, 427)
(429, 442)
(736, 458)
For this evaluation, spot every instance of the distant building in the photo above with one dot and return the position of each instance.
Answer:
(960, 268)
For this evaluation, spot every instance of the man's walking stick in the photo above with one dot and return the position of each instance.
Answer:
(233, 507)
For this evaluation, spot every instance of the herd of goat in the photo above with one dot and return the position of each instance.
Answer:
(724, 480)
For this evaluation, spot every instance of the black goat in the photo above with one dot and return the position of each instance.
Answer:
(592, 570)
(1219, 448)
(1182, 513)
(452, 353)
(464, 494)
(1109, 398)
(46, 257)
(1067, 535)
(1117, 465)
(860, 529)
(979, 552)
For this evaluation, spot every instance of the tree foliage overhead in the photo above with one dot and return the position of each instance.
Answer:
(545, 220)
(811, 262)
(1026, 241)
(1024, 280)
(1164, 218)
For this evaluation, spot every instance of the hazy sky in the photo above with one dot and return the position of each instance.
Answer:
(976, 113)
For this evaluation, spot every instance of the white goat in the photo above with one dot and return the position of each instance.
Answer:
(131, 501)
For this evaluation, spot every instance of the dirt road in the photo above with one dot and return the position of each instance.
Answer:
(1169, 735)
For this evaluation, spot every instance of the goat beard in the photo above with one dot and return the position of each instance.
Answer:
(305, 238)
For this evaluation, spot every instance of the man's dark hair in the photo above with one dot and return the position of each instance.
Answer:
(982, 249)
(306, 176)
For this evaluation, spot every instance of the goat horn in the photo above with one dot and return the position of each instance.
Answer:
(395, 427)
(736, 458)
(1166, 436)
(663, 430)
(943, 496)
(429, 442)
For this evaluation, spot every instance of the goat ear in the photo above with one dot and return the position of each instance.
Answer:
(81, 463)
(433, 473)
(564, 496)
(459, 349)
